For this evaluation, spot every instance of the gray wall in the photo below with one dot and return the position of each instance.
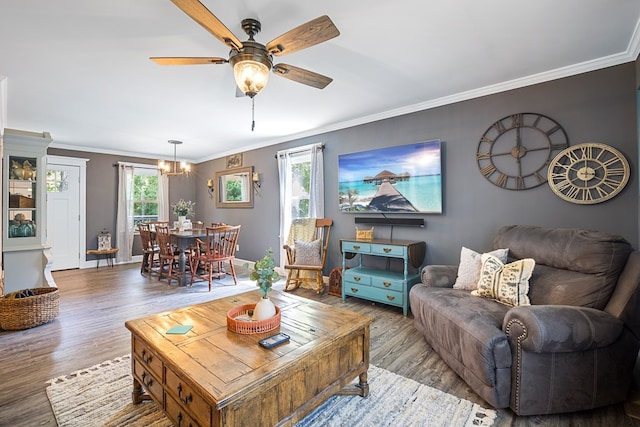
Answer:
(102, 191)
(599, 106)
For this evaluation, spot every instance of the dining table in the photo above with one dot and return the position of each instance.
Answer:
(183, 239)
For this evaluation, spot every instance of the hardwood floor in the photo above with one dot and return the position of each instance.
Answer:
(95, 303)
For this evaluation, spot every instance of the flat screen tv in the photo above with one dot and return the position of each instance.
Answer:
(400, 179)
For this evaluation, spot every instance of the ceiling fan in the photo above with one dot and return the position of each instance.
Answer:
(252, 61)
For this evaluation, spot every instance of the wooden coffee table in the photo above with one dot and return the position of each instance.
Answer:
(211, 376)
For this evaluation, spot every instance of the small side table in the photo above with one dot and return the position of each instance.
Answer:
(108, 254)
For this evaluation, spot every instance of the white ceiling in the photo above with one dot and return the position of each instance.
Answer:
(79, 69)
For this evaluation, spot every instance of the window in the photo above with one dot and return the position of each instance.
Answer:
(145, 196)
(300, 184)
(57, 181)
(301, 187)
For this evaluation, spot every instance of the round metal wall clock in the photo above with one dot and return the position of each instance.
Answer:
(588, 173)
(515, 151)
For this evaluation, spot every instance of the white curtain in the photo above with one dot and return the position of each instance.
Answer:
(316, 187)
(316, 190)
(124, 221)
(163, 197)
(284, 176)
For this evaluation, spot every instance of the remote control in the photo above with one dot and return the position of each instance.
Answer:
(274, 340)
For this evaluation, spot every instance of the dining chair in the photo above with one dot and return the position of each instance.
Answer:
(306, 258)
(208, 256)
(169, 256)
(150, 249)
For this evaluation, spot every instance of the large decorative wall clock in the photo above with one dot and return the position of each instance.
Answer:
(515, 151)
(588, 173)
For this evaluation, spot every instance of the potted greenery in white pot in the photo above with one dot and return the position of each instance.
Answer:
(265, 275)
(183, 209)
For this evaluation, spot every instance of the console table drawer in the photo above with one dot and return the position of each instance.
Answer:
(148, 358)
(388, 250)
(179, 416)
(356, 277)
(388, 283)
(356, 290)
(375, 294)
(149, 382)
(191, 400)
(360, 247)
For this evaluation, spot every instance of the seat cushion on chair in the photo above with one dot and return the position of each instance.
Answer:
(308, 253)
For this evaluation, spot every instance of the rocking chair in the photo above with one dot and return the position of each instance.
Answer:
(306, 259)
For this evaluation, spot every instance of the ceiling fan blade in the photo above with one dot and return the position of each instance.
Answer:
(301, 75)
(203, 16)
(306, 35)
(188, 60)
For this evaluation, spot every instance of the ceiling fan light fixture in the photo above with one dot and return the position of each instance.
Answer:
(251, 67)
(251, 76)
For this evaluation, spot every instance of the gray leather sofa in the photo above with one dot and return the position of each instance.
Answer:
(574, 348)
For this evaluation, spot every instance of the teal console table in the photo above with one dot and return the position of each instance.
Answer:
(377, 284)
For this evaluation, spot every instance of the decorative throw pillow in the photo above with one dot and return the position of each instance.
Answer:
(308, 253)
(506, 283)
(470, 265)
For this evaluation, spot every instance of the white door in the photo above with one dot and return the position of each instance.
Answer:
(63, 215)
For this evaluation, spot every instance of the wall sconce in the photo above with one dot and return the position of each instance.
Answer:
(210, 187)
(255, 178)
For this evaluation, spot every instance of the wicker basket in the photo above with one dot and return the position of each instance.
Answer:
(25, 313)
(364, 235)
(250, 327)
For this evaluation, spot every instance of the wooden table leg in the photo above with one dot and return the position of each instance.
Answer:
(361, 389)
(138, 395)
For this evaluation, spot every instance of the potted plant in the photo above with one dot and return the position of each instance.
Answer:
(265, 275)
(183, 209)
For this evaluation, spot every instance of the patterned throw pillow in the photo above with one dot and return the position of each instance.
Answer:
(307, 253)
(508, 284)
(470, 266)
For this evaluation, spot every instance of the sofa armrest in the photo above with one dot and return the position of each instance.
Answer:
(439, 276)
(560, 328)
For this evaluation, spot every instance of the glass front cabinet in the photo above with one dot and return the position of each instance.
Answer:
(23, 191)
(26, 256)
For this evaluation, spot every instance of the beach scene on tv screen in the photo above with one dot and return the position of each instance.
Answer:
(401, 179)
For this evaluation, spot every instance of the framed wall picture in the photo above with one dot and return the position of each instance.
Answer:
(401, 179)
(234, 161)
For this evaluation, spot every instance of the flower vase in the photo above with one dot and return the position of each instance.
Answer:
(181, 221)
(264, 309)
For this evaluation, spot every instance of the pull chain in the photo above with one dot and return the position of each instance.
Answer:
(253, 112)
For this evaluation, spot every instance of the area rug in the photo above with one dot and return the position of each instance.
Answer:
(101, 396)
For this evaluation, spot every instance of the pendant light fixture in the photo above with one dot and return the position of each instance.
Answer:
(169, 169)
